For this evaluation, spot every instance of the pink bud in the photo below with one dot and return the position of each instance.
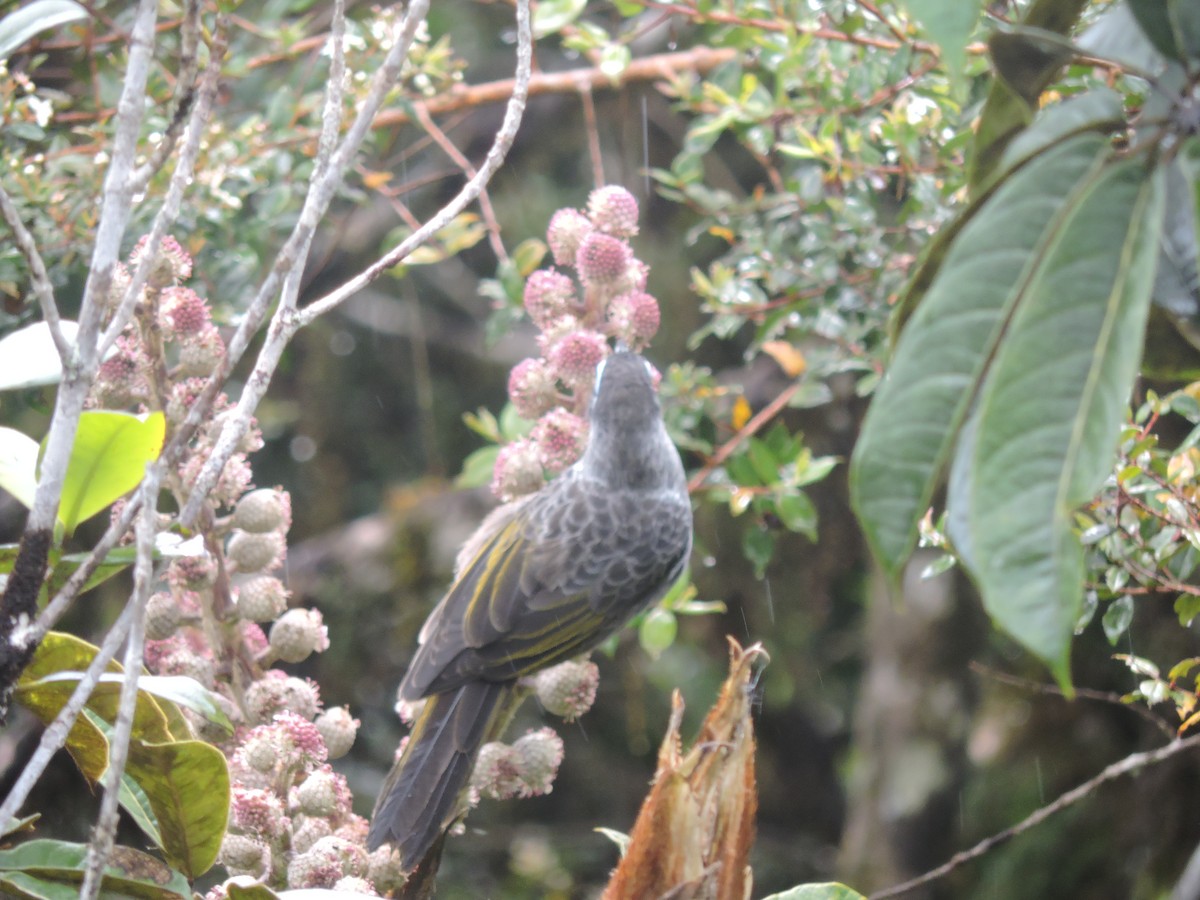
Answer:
(574, 357)
(568, 228)
(531, 386)
(560, 437)
(613, 210)
(602, 259)
(518, 470)
(548, 294)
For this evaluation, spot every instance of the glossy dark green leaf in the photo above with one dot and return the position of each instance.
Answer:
(1047, 418)
(942, 355)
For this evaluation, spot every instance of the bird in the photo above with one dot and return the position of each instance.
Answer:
(545, 578)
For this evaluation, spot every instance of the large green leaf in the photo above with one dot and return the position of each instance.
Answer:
(941, 357)
(1026, 59)
(108, 460)
(1046, 421)
(1099, 110)
(949, 24)
(187, 784)
(22, 25)
(48, 868)
(18, 465)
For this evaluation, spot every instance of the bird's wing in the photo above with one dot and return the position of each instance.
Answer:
(552, 581)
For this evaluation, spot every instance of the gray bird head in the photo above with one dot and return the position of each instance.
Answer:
(627, 443)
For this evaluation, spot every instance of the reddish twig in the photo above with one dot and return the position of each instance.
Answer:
(761, 418)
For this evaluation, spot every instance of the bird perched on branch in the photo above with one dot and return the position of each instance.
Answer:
(545, 578)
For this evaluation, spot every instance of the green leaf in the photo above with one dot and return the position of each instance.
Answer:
(1187, 607)
(108, 460)
(18, 465)
(22, 25)
(1173, 26)
(949, 24)
(797, 513)
(250, 892)
(135, 802)
(47, 864)
(1027, 58)
(478, 468)
(1117, 617)
(187, 784)
(553, 15)
(920, 405)
(827, 891)
(1047, 419)
(759, 546)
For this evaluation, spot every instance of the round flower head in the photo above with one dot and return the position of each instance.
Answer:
(602, 259)
(185, 312)
(548, 295)
(614, 211)
(518, 470)
(531, 388)
(560, 437)
(634, 318)
(575, 356)
(568, 228)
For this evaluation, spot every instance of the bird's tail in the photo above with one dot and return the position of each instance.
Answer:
(423, 794)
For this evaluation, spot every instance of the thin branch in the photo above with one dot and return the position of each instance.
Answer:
(661, 66)
(1038, 687)
(39, 277)
(1131, 763)
(593, 135)
(189, 68)
(761, 418)
(105, 833)
(469, 192)
(181, 179)
(291, 256)
(457, 157)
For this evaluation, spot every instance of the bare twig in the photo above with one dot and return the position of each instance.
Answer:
(288, 319)
(1131, 763)
(1087, 693)
(19, 604)
(456, 156)
(37, 272)
(185, 85)
(105, 833)
(593, 134)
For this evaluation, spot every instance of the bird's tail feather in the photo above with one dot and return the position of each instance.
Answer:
(423, 794)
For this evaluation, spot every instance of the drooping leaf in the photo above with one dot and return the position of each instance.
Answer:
(28, 357)
(187, 784)
(1027, 58)
(1099, 110)
(22, 25)
(1047, 417)
(949, 24)
(941, 357)
(135, 802)
(49, 864)
(827, 891)
(18, 465)
(108, 460)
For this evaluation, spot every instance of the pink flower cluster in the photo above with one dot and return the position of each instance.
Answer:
(576, 321)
